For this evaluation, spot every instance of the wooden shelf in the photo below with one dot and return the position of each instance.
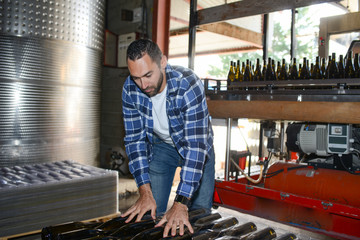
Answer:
(334, 112)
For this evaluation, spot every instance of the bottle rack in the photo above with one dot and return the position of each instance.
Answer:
(329, 100)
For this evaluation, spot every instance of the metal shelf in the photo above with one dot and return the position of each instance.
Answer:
(331, 100)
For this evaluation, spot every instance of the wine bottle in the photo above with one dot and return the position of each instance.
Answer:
(129, 230)
(239, 230)
(247, 72)
(277, 72)
(303, 71)
(51, 232)
(237, 72)
(81, 234)
(333, 71)
(231, 74)
(114, 223)
(283, 73)
(219, 224)
(150, 234)
(316, 71)
(102, 238)
(264, 234)
(287, 236)
(206, 219)
(269, 71)
(294, 71)
(258, 74)
(197, 212)
(349, 67)
(341, 68)
(356, 65)
(264, 69)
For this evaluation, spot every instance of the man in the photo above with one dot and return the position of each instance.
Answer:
(167, 126)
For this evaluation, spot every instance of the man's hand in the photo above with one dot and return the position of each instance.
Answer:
(145, 203)
(177, 216)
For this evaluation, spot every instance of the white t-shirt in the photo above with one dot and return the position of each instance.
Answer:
(161, 121)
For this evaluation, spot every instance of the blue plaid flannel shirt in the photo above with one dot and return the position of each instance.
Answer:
(190, 127)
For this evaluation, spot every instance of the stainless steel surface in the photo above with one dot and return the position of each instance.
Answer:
(228, 147)
(50, 73)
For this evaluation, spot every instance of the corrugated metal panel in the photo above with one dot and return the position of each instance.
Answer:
(50, 73)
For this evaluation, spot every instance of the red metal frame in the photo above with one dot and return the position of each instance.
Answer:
(331, 219)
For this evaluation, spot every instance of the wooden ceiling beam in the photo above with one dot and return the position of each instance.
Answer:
(227, 29)
(246, 8)
(218, 51)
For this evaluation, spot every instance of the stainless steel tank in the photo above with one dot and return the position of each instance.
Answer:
(50, 76)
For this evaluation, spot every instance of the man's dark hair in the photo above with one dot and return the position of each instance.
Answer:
(139, 48)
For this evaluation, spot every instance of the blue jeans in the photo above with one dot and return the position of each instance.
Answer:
(162, 170)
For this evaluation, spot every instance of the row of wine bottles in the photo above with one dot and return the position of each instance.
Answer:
(207, 225)
(319, 70)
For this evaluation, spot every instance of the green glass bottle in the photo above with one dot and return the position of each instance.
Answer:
(231, 74)
(287, 236)
(349, 67)
(264, 234)
(239, 230)
(316, 71)
(247, 72)
(303, 71)
(341, 68)
(51, 232)
(257, 72)
(333, 71)
(283, 72)
(127, 231)
(237, 72)
(294, 71)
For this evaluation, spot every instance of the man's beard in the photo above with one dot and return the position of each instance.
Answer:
(157, 88)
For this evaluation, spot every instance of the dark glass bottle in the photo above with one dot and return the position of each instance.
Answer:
(316, 71)
(349, 67)
(333, 71)
(231, 74)
(303, 71)
(263, 72)
(237, 72)
(323, 68)
(239, 230)
(129, 230)
(294, 72)
(341, 68)
(287, 236)
(219, 224)
(257, 73)
(247, 72)
(278, 69)
(270, 75)
(114, 223)
(81, 234)
(356, 65)
(51, 232)
(283, 72)
(157, 232)
(205, 219)
(150, 234)
(264, 234)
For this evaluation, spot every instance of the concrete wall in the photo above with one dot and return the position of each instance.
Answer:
(112, 128)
